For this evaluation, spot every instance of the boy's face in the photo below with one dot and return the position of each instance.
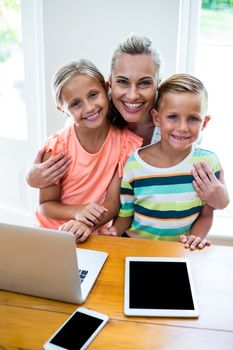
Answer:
(180, 118)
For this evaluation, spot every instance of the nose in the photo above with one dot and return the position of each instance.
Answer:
(182, 125)
(89, 106)
(132, 93)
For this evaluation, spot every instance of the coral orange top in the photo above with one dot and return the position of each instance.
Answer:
(89, 175)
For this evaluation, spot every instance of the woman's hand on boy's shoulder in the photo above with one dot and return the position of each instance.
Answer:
(192, 242)
(210, 189)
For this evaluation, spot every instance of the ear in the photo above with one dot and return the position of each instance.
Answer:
(206, 121)
(59, 108)
(110, 82)
(155, 117)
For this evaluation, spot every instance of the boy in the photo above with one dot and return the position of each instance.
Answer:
(158, 200)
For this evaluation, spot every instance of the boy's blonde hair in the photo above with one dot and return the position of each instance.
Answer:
(67, 72)
(138, 45)
(181, 83)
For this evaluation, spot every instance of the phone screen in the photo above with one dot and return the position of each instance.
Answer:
(76, 331)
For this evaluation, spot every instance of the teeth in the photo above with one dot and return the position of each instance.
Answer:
(181, 138)
(132, 105)
(90, 117)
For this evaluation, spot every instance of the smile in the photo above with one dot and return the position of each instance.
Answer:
(133, 107)
(91, 117)
(180, 138)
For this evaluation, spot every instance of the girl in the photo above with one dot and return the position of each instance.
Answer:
(89, 191)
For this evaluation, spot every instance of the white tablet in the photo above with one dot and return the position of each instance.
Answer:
(160, 287)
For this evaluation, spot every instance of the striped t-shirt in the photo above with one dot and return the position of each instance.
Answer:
(162, 201)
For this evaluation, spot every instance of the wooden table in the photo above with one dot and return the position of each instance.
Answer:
(26, 322)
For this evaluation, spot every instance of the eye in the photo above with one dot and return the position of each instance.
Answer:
(172, 117)
(194, 119)
(122, 81)
(75, 103)
(93, 94)
(145, 83)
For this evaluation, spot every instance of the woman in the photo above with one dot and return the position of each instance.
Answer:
(134, 79)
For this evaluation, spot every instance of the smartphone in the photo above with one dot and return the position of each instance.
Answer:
(78, 331)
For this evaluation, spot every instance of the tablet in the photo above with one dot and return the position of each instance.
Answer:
(160, 287)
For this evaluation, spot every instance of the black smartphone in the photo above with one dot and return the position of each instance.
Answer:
(78, 331)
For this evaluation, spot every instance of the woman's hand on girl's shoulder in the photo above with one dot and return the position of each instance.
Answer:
(46, 173)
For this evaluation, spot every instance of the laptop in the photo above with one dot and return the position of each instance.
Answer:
(46, 263)
(159, 287)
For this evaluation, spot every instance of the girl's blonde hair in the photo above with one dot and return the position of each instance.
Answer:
(180, 83)
(67, 72)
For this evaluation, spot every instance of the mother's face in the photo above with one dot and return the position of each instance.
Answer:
(134, 84)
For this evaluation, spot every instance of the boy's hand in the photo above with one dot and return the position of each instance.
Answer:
(90, 214)
(111, 231)
(192, 242)
(78, 228)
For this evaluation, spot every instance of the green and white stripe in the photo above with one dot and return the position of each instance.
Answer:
(162, 201)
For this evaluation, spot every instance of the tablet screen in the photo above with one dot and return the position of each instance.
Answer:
(159, 286)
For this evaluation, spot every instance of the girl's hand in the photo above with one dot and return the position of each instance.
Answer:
(192, 242)
(208, 187)
(78, 228)
(90, 214)
(44, 174)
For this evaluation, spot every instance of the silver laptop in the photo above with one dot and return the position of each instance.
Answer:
(46, 263)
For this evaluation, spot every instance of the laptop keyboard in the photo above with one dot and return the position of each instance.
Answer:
(82, 274)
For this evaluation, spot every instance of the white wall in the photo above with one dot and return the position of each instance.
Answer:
(90, 29)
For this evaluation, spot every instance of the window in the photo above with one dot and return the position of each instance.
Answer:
(214, 59)
(21, 105)
(12, 105)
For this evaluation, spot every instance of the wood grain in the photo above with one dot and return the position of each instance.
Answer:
(26, 322)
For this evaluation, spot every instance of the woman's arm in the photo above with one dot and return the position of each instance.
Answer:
(208, 187)
(46, 173)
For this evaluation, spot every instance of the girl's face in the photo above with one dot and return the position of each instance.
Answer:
(133, 86)
(180, 118)
(85, 100)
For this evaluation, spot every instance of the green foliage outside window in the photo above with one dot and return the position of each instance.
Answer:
(216, 22)
(217, 4)
(10, 34)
